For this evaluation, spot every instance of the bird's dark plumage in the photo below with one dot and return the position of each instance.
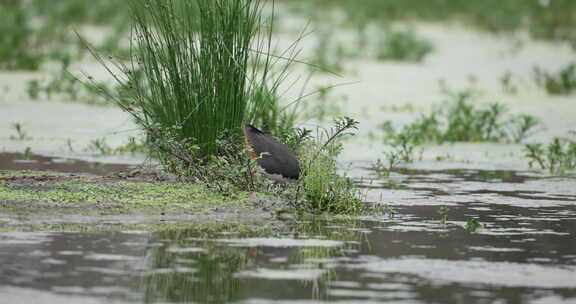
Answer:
(273, 156)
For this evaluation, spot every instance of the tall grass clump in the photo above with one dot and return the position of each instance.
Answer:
(205, 68)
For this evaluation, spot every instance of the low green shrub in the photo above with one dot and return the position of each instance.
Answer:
(321, 188)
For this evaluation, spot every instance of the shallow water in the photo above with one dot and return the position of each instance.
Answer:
(17, 161)
(524, 253)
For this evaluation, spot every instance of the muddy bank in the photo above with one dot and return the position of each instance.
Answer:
(34, 200)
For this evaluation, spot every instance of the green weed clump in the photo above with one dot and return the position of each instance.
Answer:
(403, 45)
(553, 20)
(323, 189)
(203, 68)
(558, 157)
(561, 83)
(64, 85)
(461, 120)
(18, 44)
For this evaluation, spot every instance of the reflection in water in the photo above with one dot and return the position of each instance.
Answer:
(525, 253)
(177, 270)
(182, 266)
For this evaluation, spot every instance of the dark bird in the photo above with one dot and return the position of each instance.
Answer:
(277, 160)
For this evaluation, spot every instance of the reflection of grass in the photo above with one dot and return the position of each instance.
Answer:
(561, 83)
(402, 46)
(187, 265)
(198, 277)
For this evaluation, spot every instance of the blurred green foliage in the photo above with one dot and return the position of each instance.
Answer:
(543, 19)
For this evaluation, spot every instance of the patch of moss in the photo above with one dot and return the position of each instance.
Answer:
(187, 229)
(92, 192)
(6, 174)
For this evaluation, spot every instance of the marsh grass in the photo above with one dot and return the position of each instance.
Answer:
(65, 86)
(21, 134)
(402, 45)
(37, 31)
(461, 120)
(322, 188)
(563, 82)
(402, 152)
(558, 157)
(18, 44)
(205, 69)
(552, 20)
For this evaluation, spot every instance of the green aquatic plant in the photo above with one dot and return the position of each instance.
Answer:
(18, 43)
(21, 134)
(562, 82)
(403, 45)
(322, 189)
(552, 20)
(462, 120)
(100, 146)
(64, 85)
(473, 224)
(443, 212)
(558, 157)
(27, 153)
(402, 152)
